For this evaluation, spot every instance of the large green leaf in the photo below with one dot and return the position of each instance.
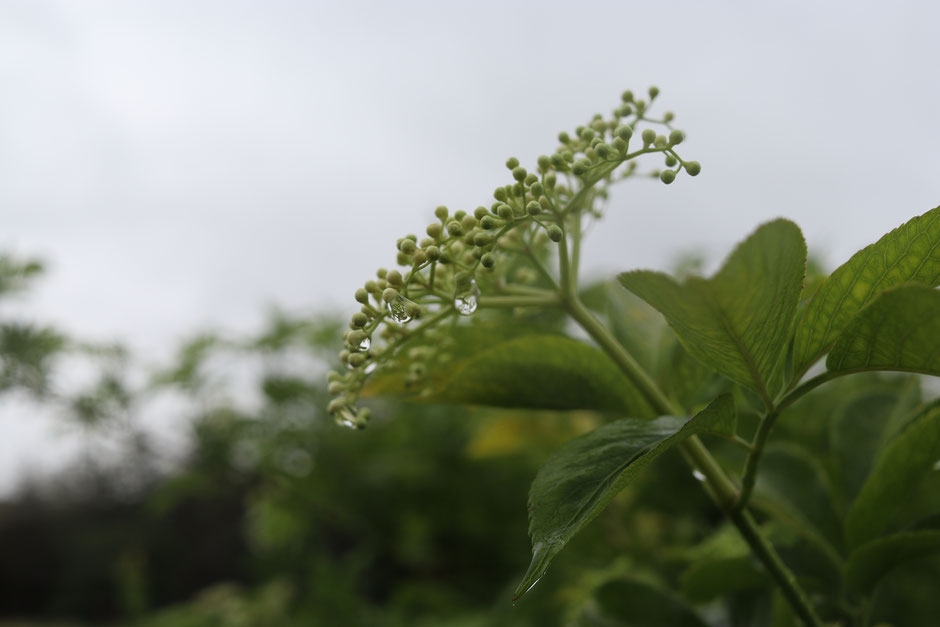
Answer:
(910, 252)
(582, 477)
(898, 330)
(534, 372)
(903, 464)
(872, 561)
(739, 320)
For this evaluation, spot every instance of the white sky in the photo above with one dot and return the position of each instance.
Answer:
(185, 164)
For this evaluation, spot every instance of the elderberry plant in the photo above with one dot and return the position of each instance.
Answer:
(751, 334)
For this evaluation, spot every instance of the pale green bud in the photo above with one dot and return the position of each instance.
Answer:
(390, 294)
(555, 233)
(362, 296)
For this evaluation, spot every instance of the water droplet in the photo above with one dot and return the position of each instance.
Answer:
(398, 309)
(698, 475)
(466, 298)
(365, 344)
(346, 417)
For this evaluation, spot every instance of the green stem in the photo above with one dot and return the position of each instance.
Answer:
(508, 302)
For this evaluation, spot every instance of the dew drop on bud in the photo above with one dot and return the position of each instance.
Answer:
(364, 345)
(466, 298)
(398, 310)
(370, 367)
(698, 475)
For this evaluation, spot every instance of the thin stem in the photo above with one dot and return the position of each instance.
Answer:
(749, 478)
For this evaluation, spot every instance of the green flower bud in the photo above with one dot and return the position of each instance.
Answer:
(603, 150)
(408, 247)
(587, 134)
(519, 173)
(412, 237)
(518, 190)
(568, 156)
(669, 116)
(479, 212)
(488, 260)
(648, 136)
(344, 356)
(394, 277)
(564, 138)
(489, 222)
(555, 233)
(420, 257)
(357, 359)
(336, 405)
(362, 296)
(482, 239)
(441, 212)
(390, 294)
(413, 309)
(468, 238)
(332, 376)
(500, 194)
(372, 287)
(505, 212)
(536, 189)
(545, 203)
(359, 320)
(667, 176)
(627, 96)
(660, 141)
(619, 145)
(381, 272)
(623, 111)
(530, 178)
(382, 284)
(427, 241)
(550, 180)
(433, 253)
(354, 339)
(676, 137)
(580, 167)
(454, 228)
(512, 163)
(468, 222)
(544, 163)
(558, 162)
(693, 167)
(435, 230)
(367, 311)
(335, 388)
(670, 161)
(624, 132)
(533, 208)
(458, 215)
(653, 92)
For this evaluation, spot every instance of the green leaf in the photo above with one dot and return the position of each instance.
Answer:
(910, 252)
(632, 603)
(540, 372)
(739, 320)
(898, 330)
(903, 464)
(792, 487)
(582, 477)
(872, 561)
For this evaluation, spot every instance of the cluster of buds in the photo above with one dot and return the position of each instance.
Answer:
(443, 271)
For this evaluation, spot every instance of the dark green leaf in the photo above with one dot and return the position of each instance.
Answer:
(901, 467)
(898, 330)
(534, 372)
(872, 561)
(910, 252)
(738, 321)
(631, 603)
(582, 477)
(792, 487)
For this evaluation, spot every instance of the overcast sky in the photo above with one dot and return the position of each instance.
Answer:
(185, 164)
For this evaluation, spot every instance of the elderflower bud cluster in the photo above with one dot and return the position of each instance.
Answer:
(463, 254)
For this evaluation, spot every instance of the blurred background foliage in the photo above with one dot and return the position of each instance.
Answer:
(275, 516)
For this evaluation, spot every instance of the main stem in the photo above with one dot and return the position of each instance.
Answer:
(720, 486)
